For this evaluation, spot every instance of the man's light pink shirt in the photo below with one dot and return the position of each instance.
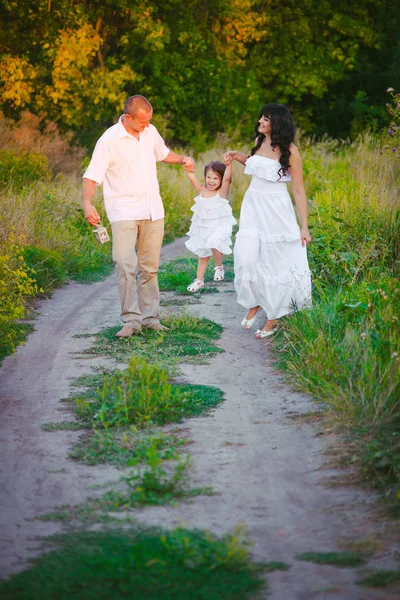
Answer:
(127, 169)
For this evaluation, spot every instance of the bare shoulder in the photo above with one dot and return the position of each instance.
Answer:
(294, 151)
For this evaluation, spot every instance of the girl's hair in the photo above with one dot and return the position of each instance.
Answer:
(282, 133)
(216, 166)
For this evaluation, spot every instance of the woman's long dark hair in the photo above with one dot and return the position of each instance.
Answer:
(282, 133)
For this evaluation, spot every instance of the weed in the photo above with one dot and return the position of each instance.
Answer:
(13, 334)
(276, 566)
(152, 564)
(380, 578)
(125, 446)
(152, 485)
(188, 339)
(141, 395)
(65, 426)
(336, 559)
(177, 274)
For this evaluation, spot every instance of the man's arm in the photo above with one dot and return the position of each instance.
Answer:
(90, 212)
(177, 159)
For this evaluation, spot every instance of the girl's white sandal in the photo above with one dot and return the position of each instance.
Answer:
(219, 273)
(197, 285)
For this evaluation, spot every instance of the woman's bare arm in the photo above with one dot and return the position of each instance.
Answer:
(296, 173)
(234, 155)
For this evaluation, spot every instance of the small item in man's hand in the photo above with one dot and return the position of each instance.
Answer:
(101, 234)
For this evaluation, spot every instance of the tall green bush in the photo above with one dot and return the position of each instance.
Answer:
(21, 168)
(17, 283)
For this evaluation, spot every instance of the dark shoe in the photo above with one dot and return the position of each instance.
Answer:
(127, 331)
(155, 327)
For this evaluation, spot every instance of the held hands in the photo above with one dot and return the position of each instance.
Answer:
(305, 236)
(188, 164)
(229, 157)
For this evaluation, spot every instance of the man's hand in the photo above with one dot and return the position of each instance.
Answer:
(188, 164)
(91, 214)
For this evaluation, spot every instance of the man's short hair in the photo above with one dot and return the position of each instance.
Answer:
(135, 103)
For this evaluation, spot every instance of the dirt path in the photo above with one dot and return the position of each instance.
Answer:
(267, 467)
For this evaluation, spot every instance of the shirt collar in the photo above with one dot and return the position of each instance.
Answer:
(122, 132)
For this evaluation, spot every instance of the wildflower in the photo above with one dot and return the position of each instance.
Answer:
(390, 131)
(390, 90)
(394, 149)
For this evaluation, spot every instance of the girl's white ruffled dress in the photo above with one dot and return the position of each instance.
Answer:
(211, 226)
(271, 267)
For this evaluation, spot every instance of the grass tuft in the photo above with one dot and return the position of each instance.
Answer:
(177, 274)
(141, 396)
(152, 564)
(380, 578)
(126, 446)
(188, 339)
(336, 559)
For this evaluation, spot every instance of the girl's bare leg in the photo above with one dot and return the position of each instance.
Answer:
(201, 267)
(217, 257)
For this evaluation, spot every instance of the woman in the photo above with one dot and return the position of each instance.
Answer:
(271, 268)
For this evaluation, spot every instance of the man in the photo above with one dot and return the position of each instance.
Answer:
(124, 161)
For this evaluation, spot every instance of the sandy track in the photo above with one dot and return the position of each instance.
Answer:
(266, 467)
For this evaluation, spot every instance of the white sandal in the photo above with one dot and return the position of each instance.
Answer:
(197, 285)
(261, 333)
(219, 273)
(248, 323)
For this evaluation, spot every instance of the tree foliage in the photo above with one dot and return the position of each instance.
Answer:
(206, 65)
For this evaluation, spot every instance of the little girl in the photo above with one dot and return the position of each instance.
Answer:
(212, 221)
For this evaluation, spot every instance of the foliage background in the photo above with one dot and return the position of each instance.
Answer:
(207, 65)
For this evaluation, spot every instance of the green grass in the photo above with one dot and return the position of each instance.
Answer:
(64, 426)
(13, 334)
(336, 559)
(177, 274)
(189, 339)
(276, 566)
(380, 578)
(152, 485)
(153, 564)
(141, 395)
(125, 446)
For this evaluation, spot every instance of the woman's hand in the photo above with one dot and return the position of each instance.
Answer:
(305, 236)
(229, 157)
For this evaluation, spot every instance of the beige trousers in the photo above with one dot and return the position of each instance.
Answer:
(136, 252)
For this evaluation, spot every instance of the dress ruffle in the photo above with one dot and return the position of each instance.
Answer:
(264, 168)
(211, 226)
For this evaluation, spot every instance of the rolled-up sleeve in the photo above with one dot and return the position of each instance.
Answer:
(99, 163)
(160, 149)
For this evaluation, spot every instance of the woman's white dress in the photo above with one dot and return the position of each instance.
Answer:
(271, 267)
(211, 226)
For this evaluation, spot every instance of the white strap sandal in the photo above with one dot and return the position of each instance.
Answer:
(197, 285)
(219, 273)
(261, 333)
